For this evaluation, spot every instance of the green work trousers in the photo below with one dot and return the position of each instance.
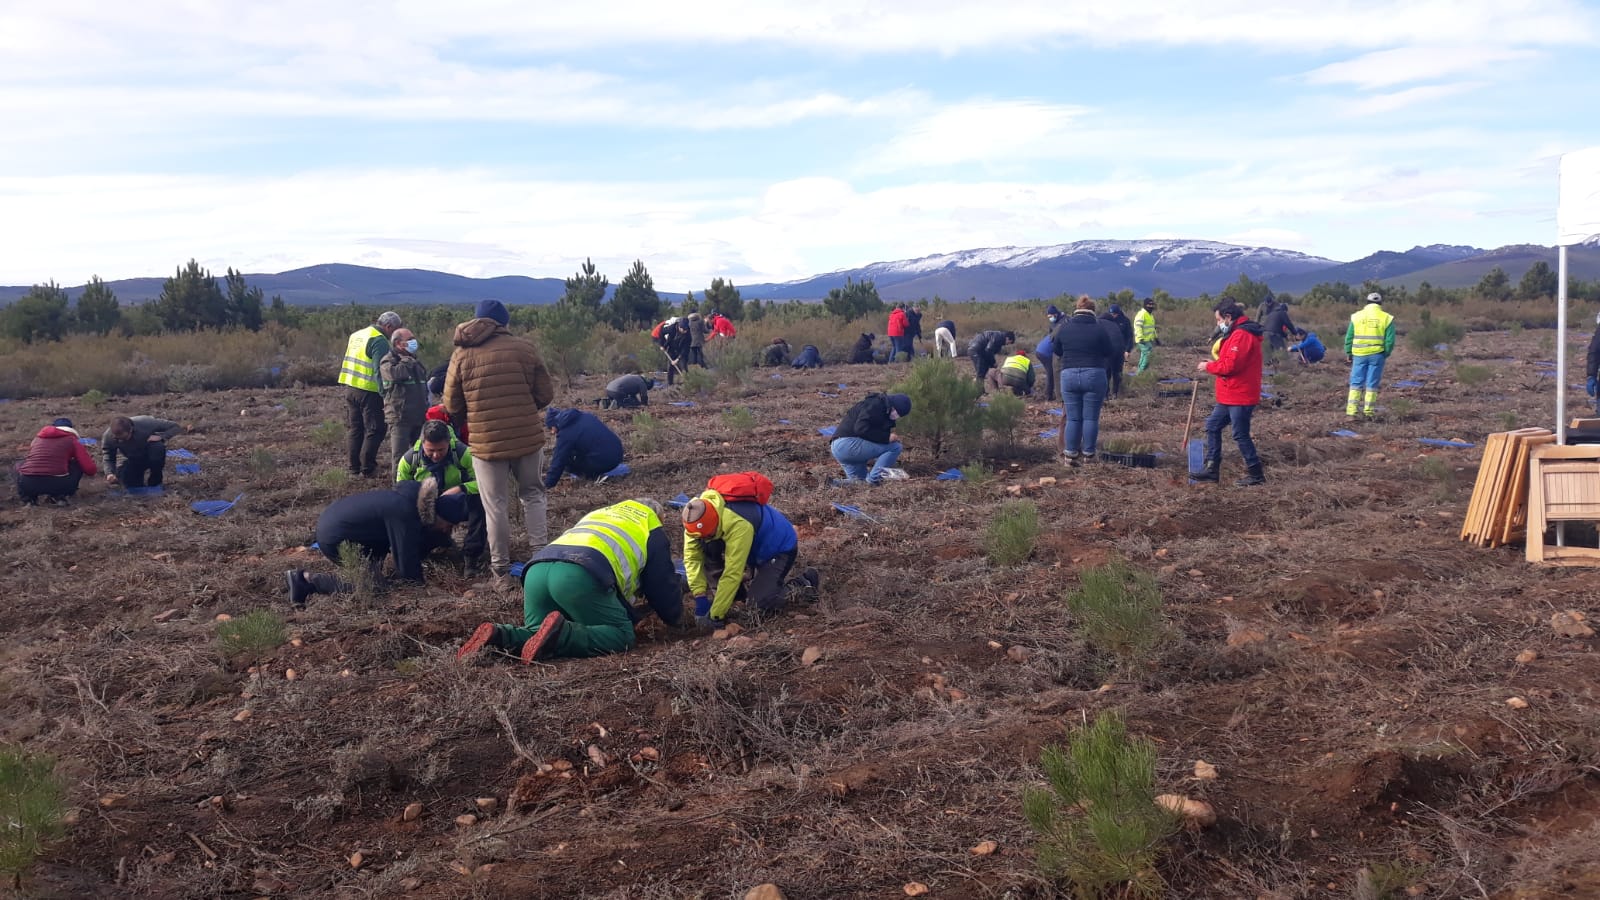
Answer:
(597, 623)
(1146, 350)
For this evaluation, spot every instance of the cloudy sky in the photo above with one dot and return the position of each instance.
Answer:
(766, 141)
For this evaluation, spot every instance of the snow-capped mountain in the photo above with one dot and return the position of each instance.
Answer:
(1095, 267)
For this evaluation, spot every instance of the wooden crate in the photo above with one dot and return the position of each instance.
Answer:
(1498, 509)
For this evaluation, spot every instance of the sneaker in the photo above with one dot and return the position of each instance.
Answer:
(486, 636)
(602, 479)
(299, 587)
(543, 643)
(812, 577)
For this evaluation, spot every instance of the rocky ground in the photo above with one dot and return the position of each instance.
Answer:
(1339, 657)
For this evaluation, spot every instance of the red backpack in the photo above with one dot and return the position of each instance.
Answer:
(742, 487)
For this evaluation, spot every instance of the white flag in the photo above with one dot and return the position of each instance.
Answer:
(1578, 216)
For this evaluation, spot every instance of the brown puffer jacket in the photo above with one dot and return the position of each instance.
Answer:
(497, 383)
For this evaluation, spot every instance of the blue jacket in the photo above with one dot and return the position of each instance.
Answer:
(1045, 348)
(774, 534)
(1310, 347)
(583, 444)
(809, 358)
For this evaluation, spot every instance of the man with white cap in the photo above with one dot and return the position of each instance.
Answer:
(1368, 342)
(364, 392)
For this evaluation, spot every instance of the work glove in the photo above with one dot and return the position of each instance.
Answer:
(1591, 387)
(702, 605)
(706, 623)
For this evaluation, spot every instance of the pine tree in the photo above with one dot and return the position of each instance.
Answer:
(586, 290)
(724, 298)
(191, 300)
(854, 300)
(244, 302)
(39, 315)
(1495, 286)
(1539, 281)
(98, 311)
(635, 303)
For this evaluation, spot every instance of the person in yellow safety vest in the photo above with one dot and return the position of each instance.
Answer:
(1015, 373)
(1144, 333)
(364, 392)
(1368, 342)
(577, 591)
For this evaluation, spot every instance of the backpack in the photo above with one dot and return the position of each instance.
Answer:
(742, 487)
(655, 332)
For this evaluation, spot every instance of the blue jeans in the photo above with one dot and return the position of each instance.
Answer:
(853, 455)
(899, 345)
(1083, 392)
(1367, 371)
(1240, 417)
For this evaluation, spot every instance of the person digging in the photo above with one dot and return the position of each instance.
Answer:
(739, 549)
(408, 523)
(576, 591)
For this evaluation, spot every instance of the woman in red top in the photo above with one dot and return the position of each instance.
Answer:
(899, 331)
(56, 461)
(1238, 371)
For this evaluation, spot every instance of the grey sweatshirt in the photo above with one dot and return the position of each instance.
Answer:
(143, 428)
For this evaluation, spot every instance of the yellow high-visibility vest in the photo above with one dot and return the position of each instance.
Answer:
(1018, 364)
(620, 533)
(1371, 323)
(1144, 327)
(359, 370)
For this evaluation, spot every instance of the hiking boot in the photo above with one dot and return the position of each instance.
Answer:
(474, 567)
(487, 636)
(299, 587)
(811, 576)
(1208, 475)
(1253, 476)
(543, 643)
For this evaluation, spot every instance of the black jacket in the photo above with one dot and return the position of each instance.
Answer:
(382, 522)
(1126, 324)
(1082, 343)
(625, 386)
(809, 358)
(1119, 342)
(987, 344)
(1593, 367)
(947, 325)
(658, 581)
(1277, 321)
(862, 351)
(868, 420)
(913, 323)
(674, 340)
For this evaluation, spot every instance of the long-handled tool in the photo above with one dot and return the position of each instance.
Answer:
(1183, 449)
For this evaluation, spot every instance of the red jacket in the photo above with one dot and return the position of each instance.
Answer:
(439, 414)
(897, 323)
(722, 325)
(53, 450)
(1238, 365)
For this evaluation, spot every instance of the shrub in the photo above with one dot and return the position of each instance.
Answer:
(1473, 375)
(646, 432)
(1400, 408)
(261, 462)
(1099, 826)
(1508, 421)
(1003, 419)
(94, 398)
(944, 406)
(1118, 610)
(253, 633)
(328, 434)
(1011, 534)
(739, 420)
(331, 479)
(359, 572)
(1432, 332)
(698, 381)
(32, 798)
(976, 474)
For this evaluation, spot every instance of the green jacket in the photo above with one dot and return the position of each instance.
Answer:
(457, 467)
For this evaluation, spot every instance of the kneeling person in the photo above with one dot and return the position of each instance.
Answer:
(55, 463)
(727, 539)
(438, 454)
(628, 391)
(1016, 374)
(142, 442)
(576, 591)
(407, 523)
(585, 446)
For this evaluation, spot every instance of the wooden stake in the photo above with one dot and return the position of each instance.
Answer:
(1183, 449)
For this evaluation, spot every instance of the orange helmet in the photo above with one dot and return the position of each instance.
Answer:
(700, 519)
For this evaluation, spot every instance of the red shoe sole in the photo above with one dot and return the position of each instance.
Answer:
(479, 638)
(534, 646)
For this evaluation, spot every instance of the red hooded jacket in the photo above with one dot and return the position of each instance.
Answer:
(1238, 365)
(52, 451)
(897, 323)
(722, 325)
(439, 414)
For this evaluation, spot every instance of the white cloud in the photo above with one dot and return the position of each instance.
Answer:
(1383, 104)
(1282, 238)
(982, 131)
(1401, 65)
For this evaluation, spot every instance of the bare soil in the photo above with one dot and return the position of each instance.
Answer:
(1357, 716)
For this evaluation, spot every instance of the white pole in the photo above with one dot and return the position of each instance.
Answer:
(1561, 344)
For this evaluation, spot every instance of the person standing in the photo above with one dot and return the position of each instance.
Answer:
(913, 328)
(364, 392)
(55, 464)
(1278, 326)
(866, 436)
(944, 335)
(405, 392)
(142, 441)
(577, 592)
(1368, 342)
(897, 333)
(1083, 346)
(1592, 369)
(1238, 372)
(497, 384)
(675, 339)
(1144, 334)
(697, 341)
(1119, 350)
(1045, 353)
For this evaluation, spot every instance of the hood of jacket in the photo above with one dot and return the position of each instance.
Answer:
(1249, 326)
(52, 431)
(565, 418)
(476, 331)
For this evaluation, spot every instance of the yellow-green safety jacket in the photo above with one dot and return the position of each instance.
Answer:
(1144, 327)
(1371, 332)
(359, 369)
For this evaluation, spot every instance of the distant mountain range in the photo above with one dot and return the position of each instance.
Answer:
(1181, 267)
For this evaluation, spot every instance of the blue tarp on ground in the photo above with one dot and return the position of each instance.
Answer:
(1050, 434)
(1440, 442)
(214, 507)
(187, 468)
(679, 502)
(1408, 384)
(89, 442)
(1058, 412)
(1197, 455)
(1345, 433)
(684, 403)
(155, 491)
(180, 453)
(827, 430)
(853, 512)
(949, 475)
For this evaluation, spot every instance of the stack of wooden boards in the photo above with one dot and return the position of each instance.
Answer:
(1498, 513)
